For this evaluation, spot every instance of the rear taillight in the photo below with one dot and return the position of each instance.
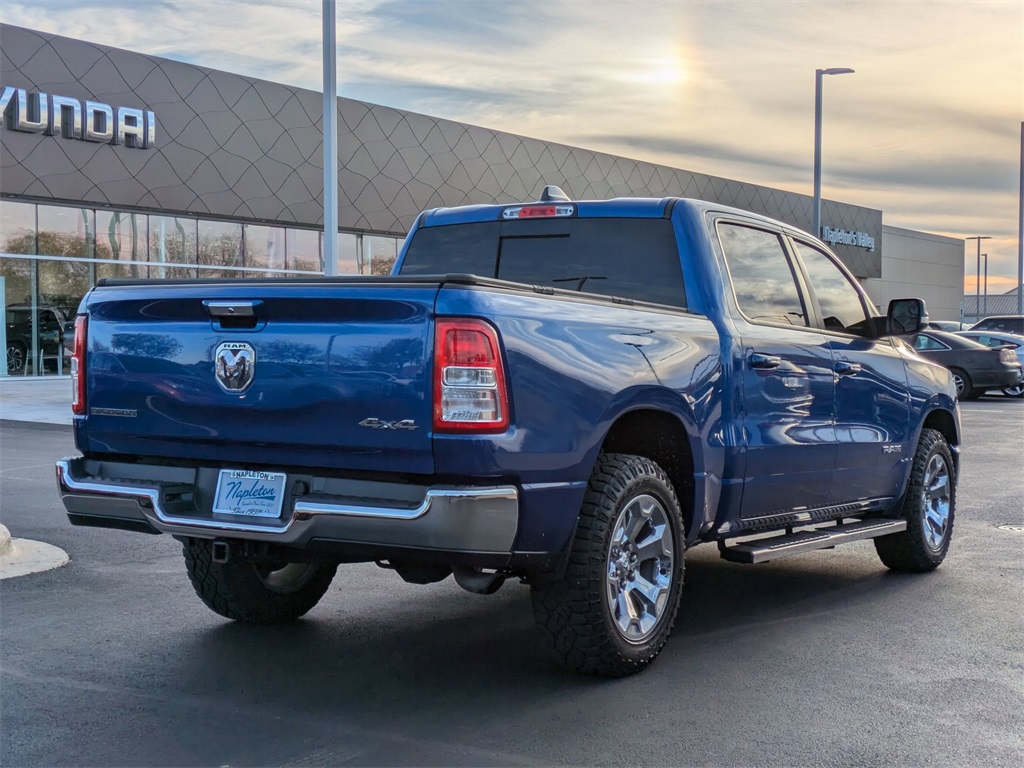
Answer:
(78, 367)
(469, 378)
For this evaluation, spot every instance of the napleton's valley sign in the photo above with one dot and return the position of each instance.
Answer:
(77, 119)
(842, 237)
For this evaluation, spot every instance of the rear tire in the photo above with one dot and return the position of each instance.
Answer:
(614, 608)
(253, 592)
(929, 507)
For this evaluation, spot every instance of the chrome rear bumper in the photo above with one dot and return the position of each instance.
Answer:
(170, 500)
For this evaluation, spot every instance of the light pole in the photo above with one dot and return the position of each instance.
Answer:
(818, 75)
(977, 298)
(330, 126)
(985, 257)
(1020, 229)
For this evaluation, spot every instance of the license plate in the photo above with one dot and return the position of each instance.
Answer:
(248, 493)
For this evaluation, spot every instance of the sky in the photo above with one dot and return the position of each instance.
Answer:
(928, 128)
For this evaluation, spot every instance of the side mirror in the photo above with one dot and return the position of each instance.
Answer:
(905, 316)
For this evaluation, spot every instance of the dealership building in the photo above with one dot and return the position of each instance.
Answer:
(119, 164)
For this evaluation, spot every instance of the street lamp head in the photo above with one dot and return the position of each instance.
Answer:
(836, 71)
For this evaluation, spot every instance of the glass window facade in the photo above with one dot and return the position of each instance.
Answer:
(172, 240)
(264, 250)
(349, 249)
(50, 256)
(378, 255)
(17, 227)
(66, 232)
(124, 239)
(304, 249)
(220, 248)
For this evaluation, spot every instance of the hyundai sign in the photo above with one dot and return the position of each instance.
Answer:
(76, 119)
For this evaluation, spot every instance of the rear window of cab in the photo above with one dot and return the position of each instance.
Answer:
(633, 258)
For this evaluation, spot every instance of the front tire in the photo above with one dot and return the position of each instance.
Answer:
(613, 610)
(929, 507)
(253, 592)
(962, 381)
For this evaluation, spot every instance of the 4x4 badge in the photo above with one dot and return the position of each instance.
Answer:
(374, 423)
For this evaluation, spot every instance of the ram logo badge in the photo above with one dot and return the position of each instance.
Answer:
(235, 365)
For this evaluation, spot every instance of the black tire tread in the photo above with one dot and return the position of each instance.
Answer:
(569, 613)
(234, 591)
(907, 551)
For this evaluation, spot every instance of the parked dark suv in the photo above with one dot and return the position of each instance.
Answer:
(1004, 323)
(50, 331)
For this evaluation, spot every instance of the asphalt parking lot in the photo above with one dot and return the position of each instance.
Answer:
(821, 659)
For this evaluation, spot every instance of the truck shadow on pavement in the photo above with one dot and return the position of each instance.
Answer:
(440, 647)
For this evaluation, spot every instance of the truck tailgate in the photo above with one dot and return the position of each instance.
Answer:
(320, 374)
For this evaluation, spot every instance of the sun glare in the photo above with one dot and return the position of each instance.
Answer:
(660, 72)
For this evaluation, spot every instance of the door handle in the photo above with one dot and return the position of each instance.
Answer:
(844, 368)
(764, 362)
(234, 308)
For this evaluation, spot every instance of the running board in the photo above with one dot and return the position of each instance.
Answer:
(774, 547)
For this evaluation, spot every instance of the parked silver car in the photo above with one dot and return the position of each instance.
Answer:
(1002, 324)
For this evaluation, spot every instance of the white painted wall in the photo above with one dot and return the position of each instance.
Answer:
(920, 264)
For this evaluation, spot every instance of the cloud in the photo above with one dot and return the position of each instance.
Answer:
(927, 129)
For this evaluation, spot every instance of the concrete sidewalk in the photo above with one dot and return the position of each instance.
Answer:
(43, 399)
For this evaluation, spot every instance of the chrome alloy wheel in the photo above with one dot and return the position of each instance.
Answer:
(15, 358)
(640, 568)
(1016, 391)
(936, 501)
(960, 384)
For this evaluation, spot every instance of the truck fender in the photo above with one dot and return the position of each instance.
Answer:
(940, 412)
(695, 470)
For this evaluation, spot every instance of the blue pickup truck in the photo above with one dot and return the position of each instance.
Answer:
(570, 393)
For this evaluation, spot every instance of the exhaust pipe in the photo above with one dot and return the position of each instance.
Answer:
(478, 582)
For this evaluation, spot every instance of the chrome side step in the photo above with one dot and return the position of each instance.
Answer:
(773, 547)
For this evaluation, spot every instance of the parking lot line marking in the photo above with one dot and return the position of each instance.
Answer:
(8, 470)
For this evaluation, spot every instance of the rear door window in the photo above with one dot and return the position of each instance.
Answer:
(629, 258)
(762, 278)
